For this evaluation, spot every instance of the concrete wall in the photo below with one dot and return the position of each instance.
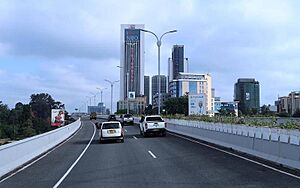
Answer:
(16, 154)
(277, 145)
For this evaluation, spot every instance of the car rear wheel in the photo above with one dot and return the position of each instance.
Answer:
(163, 134)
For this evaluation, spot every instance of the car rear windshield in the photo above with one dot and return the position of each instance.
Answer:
(127, 115)
(154, 119)
(111, 126)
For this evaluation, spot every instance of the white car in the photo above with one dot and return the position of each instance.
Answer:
(111, 130)
(127, 119)
(152, 124)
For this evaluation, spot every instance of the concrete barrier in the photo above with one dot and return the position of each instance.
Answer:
(273, 144)
(18, 153)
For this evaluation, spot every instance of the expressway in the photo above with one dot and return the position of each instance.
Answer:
(169, 161)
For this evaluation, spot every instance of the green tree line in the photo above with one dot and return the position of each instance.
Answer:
(26, 120)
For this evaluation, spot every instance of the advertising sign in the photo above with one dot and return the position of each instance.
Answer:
(131, 95)
(57, 117)
(197, 104)
(132, 35)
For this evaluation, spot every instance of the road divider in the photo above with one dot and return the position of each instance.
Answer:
(16, 154)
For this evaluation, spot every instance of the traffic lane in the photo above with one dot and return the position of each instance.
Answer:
(205, 166)
(112, 164)
(47, 171)
(178, 163)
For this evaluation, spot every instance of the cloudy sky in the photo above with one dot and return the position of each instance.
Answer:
(68, 47)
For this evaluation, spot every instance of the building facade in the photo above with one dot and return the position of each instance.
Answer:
(194, 84)
(132, 60)
(147, 88)
(177, 63)
(136, 106)
(246, 92)
(100, 109)
(163, 85)
(163, 98)
(289, 104)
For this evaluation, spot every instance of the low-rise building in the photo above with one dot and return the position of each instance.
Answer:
(289, 104)
(163, 98)
(100, 109)
(136, 105)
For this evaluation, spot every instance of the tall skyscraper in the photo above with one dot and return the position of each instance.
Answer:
(246, 92)
(132, 60)
(177, 60)
(178, 63)
(147, 88)
(163, 85)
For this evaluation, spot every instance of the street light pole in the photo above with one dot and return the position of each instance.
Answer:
(111, 94)
(101, 92)
(158, 43)
(127, 88)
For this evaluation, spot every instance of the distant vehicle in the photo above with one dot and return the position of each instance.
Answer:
(112, 117)
(127, 119)
(93, 115)
(111, 130)
(152, 125)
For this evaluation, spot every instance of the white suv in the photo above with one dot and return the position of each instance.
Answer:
(111, 130)
(127, 119)
(152, 124)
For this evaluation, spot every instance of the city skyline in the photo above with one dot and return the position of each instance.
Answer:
(70, 52)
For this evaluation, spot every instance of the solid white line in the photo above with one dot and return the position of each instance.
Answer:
(152, 154)
(41, 157)
(125, 130)
(73, 165)
(135, 137)
(241, 157)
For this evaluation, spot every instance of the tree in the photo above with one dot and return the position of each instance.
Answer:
(177, 105)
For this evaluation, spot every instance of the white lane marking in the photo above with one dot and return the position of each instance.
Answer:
(125, 130)
(41, 157)
(241, 157)
(152, 154)
(135, 137)
(73, 165)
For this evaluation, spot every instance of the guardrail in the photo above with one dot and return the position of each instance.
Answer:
(277, 145)
(18, 153)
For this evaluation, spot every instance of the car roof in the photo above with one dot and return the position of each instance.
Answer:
(153, 116)
(108, 122)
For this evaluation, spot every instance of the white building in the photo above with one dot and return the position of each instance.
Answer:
(194, 84)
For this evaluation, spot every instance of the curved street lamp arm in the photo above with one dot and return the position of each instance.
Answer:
(147, 31)
(172, 31)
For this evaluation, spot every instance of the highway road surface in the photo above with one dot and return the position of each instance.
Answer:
(169, 161)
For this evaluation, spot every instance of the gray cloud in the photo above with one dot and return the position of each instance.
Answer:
(79, 42)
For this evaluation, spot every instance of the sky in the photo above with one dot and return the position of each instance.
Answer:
(68, 47)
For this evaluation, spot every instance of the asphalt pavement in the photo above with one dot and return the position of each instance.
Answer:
(144, 162)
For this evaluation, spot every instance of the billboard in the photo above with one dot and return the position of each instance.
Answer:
(131, 95)
(57, 117)
(197, 104)
(132, 35)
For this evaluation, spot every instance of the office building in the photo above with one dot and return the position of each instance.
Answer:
(178, 63)
(163, 85)
(194, 84)
(136, 105)
(227, 106)
(147, 88)
(132, 60)
(163, 98)
(100, 109)
(289, 104)
(246, 92)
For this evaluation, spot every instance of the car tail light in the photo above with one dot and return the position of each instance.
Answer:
(146, 126)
